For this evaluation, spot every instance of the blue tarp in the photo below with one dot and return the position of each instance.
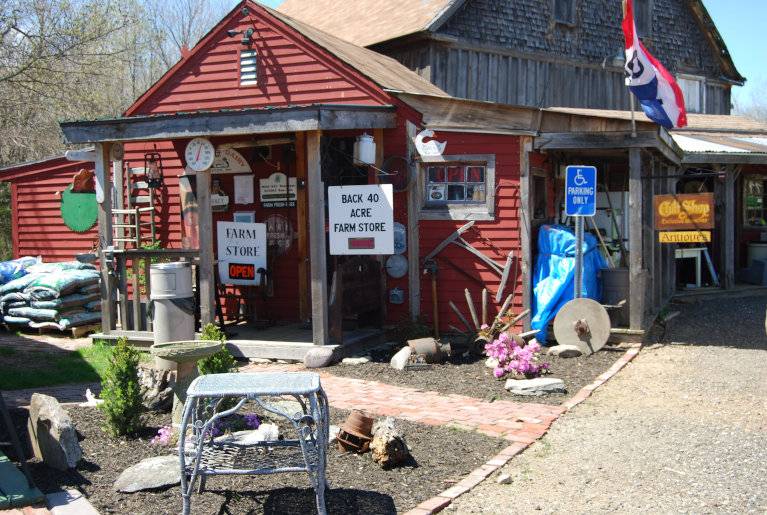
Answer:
(10, 270)
(553, 278)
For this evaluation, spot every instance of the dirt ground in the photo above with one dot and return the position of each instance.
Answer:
(470, 376)
(682, 429)
(441, 456)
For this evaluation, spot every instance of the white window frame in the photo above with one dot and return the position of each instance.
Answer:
(684, 79)
(459, 211)
(248, 67)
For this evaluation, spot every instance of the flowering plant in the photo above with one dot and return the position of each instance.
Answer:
(164, 436)
(514, 358)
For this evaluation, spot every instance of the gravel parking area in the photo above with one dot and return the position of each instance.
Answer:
(683, 429)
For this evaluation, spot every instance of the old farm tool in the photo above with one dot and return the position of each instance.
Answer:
(450, 239)
(584, 323)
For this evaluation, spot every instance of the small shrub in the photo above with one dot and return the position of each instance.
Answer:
(222, 361)
(121, 393)
(520, 361)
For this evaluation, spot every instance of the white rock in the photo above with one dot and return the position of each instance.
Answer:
(399, 360)
(149, 474)
(260, 361)
(333, 433)
(318, 357)
(265, 432)
(359, 360)
(565, 351)
(491, 362)
(536, 387)
(503, 479)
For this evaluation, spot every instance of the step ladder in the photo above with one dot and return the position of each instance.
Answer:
(16, 488)
(129, 224)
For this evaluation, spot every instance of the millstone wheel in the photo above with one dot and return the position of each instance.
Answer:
(583, 323)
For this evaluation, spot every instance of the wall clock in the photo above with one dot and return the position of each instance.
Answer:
(199, 154)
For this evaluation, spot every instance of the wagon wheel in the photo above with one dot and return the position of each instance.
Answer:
(395, 171)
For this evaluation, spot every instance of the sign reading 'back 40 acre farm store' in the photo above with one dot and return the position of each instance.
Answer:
(361, 219)
(679, 212)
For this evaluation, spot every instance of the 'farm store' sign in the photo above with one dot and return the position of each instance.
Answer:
(361, 219)
(241, 252)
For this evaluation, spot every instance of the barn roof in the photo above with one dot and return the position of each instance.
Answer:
(372, 21)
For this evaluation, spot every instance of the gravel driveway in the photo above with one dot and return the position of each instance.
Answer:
(682, 429)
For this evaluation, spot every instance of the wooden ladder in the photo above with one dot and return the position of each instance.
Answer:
(127, 223)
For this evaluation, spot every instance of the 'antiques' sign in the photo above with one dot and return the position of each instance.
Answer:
(688, 211)
(684, 237)
(361, 219)
(241, 252)
(278, 190)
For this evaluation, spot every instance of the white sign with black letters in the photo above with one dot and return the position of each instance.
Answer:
(241, 252)
(361, 219)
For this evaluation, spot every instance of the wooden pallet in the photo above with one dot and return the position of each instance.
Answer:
(76, 332)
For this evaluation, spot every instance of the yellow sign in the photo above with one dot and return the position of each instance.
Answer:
(685, 237)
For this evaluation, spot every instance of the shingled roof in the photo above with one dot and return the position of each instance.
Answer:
(369, 22)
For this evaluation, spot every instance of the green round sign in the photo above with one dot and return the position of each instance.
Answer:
(79, 210)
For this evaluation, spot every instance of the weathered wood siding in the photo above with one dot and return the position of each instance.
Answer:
(37, 226)
(512, 52)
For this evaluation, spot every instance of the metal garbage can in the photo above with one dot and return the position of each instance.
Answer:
(172, 305)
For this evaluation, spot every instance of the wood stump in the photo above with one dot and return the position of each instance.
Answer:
(388, 447)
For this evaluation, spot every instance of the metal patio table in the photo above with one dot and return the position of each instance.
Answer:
(307, 452)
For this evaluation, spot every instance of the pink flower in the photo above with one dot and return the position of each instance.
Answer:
(498, 372)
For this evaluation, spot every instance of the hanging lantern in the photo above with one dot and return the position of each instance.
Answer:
(153, 169)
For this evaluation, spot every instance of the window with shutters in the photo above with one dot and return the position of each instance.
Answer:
(693, 89)
(248, 68)
(564, 12)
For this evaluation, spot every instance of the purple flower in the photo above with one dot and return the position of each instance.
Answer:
(163, 436)
(252, 421)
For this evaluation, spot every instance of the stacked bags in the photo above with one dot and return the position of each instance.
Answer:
(52, 295)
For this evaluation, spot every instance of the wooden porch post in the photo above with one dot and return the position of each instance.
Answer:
(205, 271)
(317, 239)
(302, 210)
(636, 282)
(729, 222)
(413, 233)
(108, 311)
(525, 225)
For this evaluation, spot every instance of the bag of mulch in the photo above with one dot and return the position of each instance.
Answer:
(53, 286)
(19, 284)
(91, 288)
(38, 315)
(13, 300)
(72, 300)
(16, 321)
(10, 270)
(93, 306)
(49, 268)
(78, 319)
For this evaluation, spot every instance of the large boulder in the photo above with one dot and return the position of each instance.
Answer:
(319, 356)
(149, 474)
(156, 388)
(52, 433)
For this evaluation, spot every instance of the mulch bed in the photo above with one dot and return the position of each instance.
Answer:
(441, 457)
(470, 377)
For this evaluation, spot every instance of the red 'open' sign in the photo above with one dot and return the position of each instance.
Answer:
(244, 272)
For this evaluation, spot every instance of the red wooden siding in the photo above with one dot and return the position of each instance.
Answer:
(38, 229)
(291, 71)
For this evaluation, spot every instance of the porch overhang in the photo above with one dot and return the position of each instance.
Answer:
(620, 140)
(230, 123)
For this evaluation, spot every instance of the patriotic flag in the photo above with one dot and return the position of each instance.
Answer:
(657, 91)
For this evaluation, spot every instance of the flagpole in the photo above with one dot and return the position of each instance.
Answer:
(633, 116)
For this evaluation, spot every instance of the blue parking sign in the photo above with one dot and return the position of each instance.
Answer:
(580, 191)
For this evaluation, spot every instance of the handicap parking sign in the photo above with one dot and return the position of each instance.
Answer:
(580, 191)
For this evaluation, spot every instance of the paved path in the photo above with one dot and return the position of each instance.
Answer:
(683, 429)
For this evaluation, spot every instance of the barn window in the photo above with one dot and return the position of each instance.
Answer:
(564, 11)
(643, 17)
(458, 188)
(693, 89)
(248, 68)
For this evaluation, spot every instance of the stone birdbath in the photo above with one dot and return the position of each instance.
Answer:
(185, 355)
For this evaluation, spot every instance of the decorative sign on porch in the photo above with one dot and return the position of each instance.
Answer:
(229, 160)
(684, 211)
(431, 148)
(241, 252)
(278, 190)
(361, 219)
(684, 237)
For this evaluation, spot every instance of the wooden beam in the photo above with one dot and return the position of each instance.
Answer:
(302, 207)
(525, 229)
(725, 159)
(231, 123)
(317, 239)
(108, 309)
(636, 276)
(595, 140)
(207, 261)
(728, 225)
(413, 234)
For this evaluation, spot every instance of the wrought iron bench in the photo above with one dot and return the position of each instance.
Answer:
(307, 452)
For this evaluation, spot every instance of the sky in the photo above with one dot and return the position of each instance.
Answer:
(741, 24)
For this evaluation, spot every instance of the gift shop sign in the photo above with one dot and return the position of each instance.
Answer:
(361, 219)
(241, 252)
(687, 211)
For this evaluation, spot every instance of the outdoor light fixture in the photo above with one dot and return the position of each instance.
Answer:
(246, 35)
